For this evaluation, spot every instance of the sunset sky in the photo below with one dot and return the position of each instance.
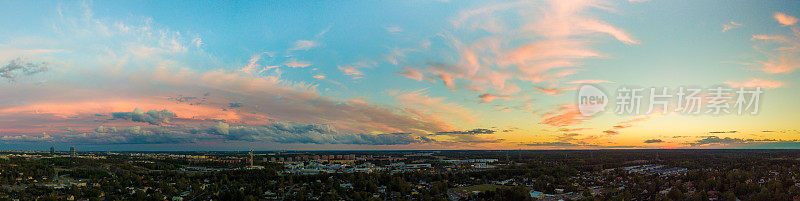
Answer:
(352, 75)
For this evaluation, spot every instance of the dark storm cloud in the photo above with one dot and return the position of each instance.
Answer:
(468, 132)
(290, 132)
(654, 141)
(555, 144)
(717, 140)
(136, 135)
(611, 132)
(718, 132)
(728, 140)
(235, 104)
(280, 132)
(20, 67)
(573, 145)
(153, 117)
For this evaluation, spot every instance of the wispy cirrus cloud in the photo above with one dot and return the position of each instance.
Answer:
(565, 115)
(414, 74)
(304, 45)
(353, 69)
(297, 64)
(436, 106)
(350, 70)
(488, 98)
(782, 52)
(731, 25)
(310, 44)
(394, 29)
(542, 47)
(254, 65)
(615, 130)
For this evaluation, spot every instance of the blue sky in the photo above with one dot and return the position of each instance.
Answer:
(385, 75)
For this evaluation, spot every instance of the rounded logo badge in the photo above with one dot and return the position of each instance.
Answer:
(591, 100)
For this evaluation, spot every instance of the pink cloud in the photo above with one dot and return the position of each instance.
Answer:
(252, 65)
(412, 73)
(394, 29)
(755, 82)
(304, 45)
(785, 20)
(488, 98)
(349, 70)
(550, 36)
(297, 64)
(281, 100)
(448, 80)
(353, 69)
(782, 59)
(731, 25)
(782, 64)
(602, 27)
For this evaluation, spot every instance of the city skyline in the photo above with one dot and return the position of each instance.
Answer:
(405, 75)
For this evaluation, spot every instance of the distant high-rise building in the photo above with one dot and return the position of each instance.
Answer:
(72, 152)
(52, 150)
(251, 158)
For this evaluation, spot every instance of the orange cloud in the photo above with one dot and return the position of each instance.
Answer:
(252, 65)
(782, 64)
(488, 98)
(566, 115)
(784, 57)
(555, 34)
(413, 73)
(785, 20)
(731, 25)
(349, 70)
(297, 64)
